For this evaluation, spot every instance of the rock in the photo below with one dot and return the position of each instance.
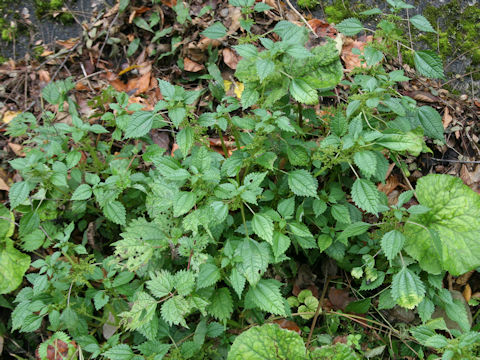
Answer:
(451, 324)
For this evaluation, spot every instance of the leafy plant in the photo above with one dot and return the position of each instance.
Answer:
(160, 253)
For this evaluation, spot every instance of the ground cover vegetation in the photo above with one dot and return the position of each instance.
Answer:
(112, 246)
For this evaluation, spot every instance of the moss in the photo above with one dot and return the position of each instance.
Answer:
(461, 32)
(309, 4)
(338, 11)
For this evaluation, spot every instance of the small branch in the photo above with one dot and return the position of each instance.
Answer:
(301, 17)
(457, 161)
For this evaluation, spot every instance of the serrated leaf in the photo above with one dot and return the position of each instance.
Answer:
(185, 138)
(429, 64)
(298, 156)
(372, 56)
(184, 201)
(355, 229)
(184, 282)
(407, 288)
(267, 342)
(238, 281)
(431, 122)
(83, 192)
(221, 305)
(255, 259)
(350, 27)
(13, 265)
(264, 67)
(215, 31)
(340, 213)
(391, 243)
(161, 283)
(18, 193)
(100, 299)
(454, 216)
(421, 23)
(174, 310)
(365, 195)
(115, 212)
(386, 301)
(250, 97)
(339, 124)
(208, 275)
(303, 92)
(139, 124)
(425, 309)
(366, 161)
(262, 225)
(281, 243)
(266, 296)
(302, 183)
(119, 352)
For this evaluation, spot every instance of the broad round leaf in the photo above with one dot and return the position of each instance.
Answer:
(13, 265)
(453, 242)
(267, 342)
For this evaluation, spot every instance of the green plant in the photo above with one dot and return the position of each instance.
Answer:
(308, 4)
(169, 254)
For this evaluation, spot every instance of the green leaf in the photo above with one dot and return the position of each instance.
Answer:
(184, 281)
(425, 309)
(255, 259)
(221, 305)
(303, 92)
(167, 89)
(355, 229)
(365, 195)
(174, 309)
(324, 241)
(177, 115)
(286, 207)
(302, 183)
(267, 342)
(366, 161)
(185, 138)
(281, 243)
(411, 142)
(436, 341)
(238, 281)
(266, 296)
(431, 122)
(13, 265)
(115, 212)
(454, 216)
(340, 213)
(264, 67)
(250, 97)
(100, 300)
(215, 31)
(18, 193)
(83, 192)
(119, 352)
(407, 288)
(298, 156)
(263, 226)
(7, 222)
(386, 301)
(161, 283)
(372, 56)
(208, 275)
(339, 124)
(429, 64)
(350, 27)
(392, 242)
(184, 201)
(140, 124)
(360, 306)
(421, 23)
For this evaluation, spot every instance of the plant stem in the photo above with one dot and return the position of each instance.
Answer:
(242, 210)
(224, 147)
(300, 115)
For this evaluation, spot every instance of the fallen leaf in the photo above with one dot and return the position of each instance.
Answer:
(17, 149)
(323, 28)
(110, 327)
(465, 175)
(467, 293)
(447, 118)
(289, 325)
(192, 66)
(4, 185)
(68, 44)
(422, 96)
(9, 116)
(44, 75)
(169, 3)
(230, 58)
(463, 279)
(339, 298)
(390, 185)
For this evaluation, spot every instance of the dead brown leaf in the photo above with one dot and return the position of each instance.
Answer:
(463, 279)
(350, 59)
(9, 116)
(68, 44)
(289, 325)
(3, 185)
(17, 149)
(192, 66)
(323, 28)
(447, 118)
(230, 58)
(467, 293)
(339, 298)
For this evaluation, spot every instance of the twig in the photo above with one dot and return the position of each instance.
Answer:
(301, 17)
(457, 161)
(460, 76)
(317, 312)
(409, 30)
(64, 61)
(107, 36)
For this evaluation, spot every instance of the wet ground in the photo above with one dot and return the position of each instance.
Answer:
(47, 30)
